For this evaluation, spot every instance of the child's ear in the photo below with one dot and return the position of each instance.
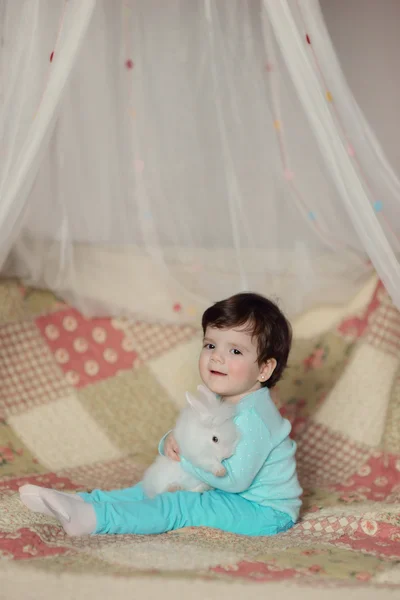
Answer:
(266, 370)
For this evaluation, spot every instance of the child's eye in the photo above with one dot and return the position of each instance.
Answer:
(235, 351)
(209, 346)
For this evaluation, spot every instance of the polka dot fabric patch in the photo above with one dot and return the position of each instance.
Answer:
(29, 375)
(86, 350)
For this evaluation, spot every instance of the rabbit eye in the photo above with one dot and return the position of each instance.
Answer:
(215, 439)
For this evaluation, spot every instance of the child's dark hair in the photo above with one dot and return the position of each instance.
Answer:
(266, 322)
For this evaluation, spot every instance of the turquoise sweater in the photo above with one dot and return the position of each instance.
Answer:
(263, 467)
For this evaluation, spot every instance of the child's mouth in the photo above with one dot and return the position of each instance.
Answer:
(217, 373)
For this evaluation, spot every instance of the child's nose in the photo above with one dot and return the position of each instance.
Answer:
(218, 356)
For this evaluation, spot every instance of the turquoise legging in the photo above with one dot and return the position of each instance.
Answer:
(130, 511)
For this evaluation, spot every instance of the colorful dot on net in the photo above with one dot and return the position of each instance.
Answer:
(139, 165)
(350, 150)
(378, 205)
(177, 307)
(277, 124)
(52, 56)
(311, 215)
(329, 96)
(196, 267)
(129, 64)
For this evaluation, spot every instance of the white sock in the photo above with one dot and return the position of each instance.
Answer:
(31, 496)
(77, 518)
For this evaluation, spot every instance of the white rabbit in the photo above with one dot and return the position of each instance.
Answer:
(206, 435)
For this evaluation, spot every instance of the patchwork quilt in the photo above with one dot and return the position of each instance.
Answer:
(83, 403)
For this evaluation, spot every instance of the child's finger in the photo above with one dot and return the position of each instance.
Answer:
(172, 454)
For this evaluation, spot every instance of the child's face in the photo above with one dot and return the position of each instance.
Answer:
(228, 363)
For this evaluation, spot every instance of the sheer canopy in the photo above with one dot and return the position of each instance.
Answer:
(158, 156)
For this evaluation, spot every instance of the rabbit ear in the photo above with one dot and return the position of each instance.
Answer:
(207, 396)
(198, 406)
(218, 410)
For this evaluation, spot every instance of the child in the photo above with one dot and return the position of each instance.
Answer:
(245, 350)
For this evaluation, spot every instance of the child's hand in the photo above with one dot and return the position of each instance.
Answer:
(171, 448)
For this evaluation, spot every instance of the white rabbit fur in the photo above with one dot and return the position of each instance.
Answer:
(204, 418)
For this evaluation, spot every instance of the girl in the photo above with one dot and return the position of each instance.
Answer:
(245, 350)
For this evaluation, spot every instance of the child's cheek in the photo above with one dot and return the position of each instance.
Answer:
(238, 370)
(203, 361)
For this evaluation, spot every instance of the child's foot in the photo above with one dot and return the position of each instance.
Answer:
(32, 496)
(76, 518)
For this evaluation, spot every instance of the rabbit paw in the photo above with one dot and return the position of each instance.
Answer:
(174, 488)
(220, 472)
